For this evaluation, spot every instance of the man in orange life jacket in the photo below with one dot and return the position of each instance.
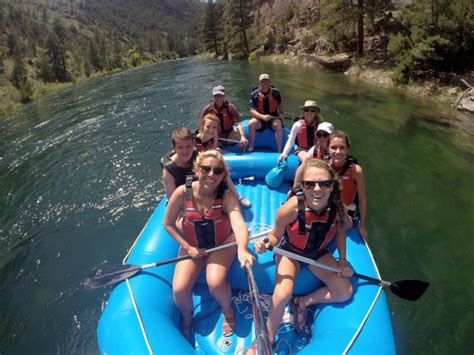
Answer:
(228, 116)
(267, 109)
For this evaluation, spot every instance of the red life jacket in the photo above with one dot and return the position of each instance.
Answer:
(311, 231)
(349, 185)
(225, 118)
(209, 230)
(267, 105)
(306, 137)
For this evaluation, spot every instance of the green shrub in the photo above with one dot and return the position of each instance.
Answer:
(253, 56)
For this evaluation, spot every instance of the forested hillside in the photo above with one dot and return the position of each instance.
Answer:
(416, 38)
(47, 44)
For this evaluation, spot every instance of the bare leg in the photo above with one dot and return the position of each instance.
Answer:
(337, 289)
(254, 124)
(278, 127)
(287, 270)
(184, 278)
(217, 268)
(302, 155)
(231, 187)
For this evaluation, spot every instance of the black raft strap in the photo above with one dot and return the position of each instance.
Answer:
(301, 212)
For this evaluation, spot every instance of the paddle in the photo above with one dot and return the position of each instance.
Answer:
(112, 274)
(407, 289)
(229, 140)
(262, 339)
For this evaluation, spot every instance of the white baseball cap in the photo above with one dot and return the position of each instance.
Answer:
(263, 77)
(326, 127)
(218, 90)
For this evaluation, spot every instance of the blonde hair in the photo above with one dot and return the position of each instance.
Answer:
(210, 117)
(336, 193)
(211, 154)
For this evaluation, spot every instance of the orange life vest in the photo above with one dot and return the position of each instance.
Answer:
(311, 231)
(267, 105)
(208, 230)
(225, 118)
(306, 137)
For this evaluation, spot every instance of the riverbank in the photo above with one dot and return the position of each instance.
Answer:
(381, 76)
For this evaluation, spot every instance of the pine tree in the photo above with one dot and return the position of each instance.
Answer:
(94, 59)
(237, 21)
(211, 26)
(342, 21)
(55, 53)
(19, 73)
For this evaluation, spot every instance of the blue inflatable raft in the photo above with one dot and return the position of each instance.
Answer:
(140, 316)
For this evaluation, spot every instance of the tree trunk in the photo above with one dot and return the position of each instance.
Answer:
(360, 27)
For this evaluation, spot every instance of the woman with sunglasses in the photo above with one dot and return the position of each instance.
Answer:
(318, 151)
(206, 139)
(211, 217)
(303, 132)
(354, 193)
(308, 222)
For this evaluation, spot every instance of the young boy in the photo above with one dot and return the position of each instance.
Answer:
(178, 163)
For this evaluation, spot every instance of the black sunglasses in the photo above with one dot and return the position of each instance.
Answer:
(323, 184)
(322, 134)
(206, 169)
(309, 110)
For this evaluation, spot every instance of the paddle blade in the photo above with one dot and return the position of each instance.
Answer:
(110, 274)
(410, 290)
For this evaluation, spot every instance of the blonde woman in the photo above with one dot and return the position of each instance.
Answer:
(211, 217)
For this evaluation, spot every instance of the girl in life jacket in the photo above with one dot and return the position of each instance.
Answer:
(303, 132)
(211, 217)
(354, 193)
(206, 139)
(318, 151)
(307, 223)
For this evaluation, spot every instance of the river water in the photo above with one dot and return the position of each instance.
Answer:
(80, 176)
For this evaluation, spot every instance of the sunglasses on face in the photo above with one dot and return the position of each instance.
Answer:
(322, 134)
(309, 110)
(206, 169)
(323, 184)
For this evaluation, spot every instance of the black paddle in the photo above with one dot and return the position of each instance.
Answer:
(407, 289)
(112, 274)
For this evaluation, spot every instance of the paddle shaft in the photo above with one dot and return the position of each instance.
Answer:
(261, 331)
(229, 140)
(208, 251)
(327, 267)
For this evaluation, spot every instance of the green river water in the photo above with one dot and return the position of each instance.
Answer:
(80, 176)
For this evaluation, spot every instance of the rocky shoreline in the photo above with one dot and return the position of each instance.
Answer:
(449, 95)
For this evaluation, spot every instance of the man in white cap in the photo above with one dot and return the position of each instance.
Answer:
(303, 132)
(228, 116)
(267, 110)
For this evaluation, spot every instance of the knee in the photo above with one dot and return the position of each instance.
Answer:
(345, 292)
(181, 290)
(215, 283)
(281, 296)
(253, 122)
